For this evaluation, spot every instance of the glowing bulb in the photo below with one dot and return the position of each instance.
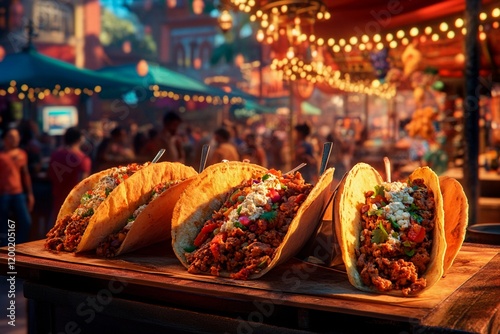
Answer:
(400, 34)
(414, 31)
(428, 30)
(459, 23)
(443, 26)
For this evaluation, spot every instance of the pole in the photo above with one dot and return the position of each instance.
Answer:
(471, 109)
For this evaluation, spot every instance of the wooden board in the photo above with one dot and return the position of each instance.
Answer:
(296, 283)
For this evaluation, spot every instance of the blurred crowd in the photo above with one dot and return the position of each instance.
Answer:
(38, 171)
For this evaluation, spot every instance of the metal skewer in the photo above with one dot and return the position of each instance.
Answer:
(204, 154)
(158, 156)
(327, 150)
(296, 168)
(387, 165)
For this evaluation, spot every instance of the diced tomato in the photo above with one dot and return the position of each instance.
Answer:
(416, 233)
(203, 235)
(274, 195)
(365, 208)
(215, 245)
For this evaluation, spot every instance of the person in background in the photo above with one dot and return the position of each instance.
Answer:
(68, 165)
(114, 150)
(167, 139)
(225, 149)
(16, 192)
(253, 152)
(304, 153)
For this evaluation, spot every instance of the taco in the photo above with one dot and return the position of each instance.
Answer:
(149, 221)
(456, 217)
(240, 220)
(81, 204)
(98, 205)
(391, 235)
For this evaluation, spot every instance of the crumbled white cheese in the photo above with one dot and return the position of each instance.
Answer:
(253, 202)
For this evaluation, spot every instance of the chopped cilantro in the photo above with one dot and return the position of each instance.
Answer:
(266, 176)
(284, 187)
(107, 191)
(377, 212)
(130, 219)
(85, 198)
(241, 199)
(413, 210)
(269, 215)
(410, 252)
(407, 244)
(238, 210)
(189, 249)
(240, 225)
(379, 235)
(89, 212)
(379, 190)
(394, 223)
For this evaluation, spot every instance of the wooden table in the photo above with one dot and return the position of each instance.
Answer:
(150, 292)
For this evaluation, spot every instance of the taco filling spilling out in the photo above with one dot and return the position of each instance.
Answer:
(110, 246)
(68, 231)
(398, 220)
(242, 236)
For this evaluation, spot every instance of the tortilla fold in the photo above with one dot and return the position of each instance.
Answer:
(456, 217)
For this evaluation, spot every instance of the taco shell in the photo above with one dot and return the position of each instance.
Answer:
(73, 199)
(113, 212)
(456, 217)
(154, 223)
(207, 192)
(348, 201)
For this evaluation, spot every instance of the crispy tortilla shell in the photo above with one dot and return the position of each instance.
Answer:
(73, 199)
(154, 223)
(456, 217)
(113, 212)
(207, 192)
(348, 201)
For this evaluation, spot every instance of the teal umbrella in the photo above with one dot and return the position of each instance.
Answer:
(38, 71)
(165, 80)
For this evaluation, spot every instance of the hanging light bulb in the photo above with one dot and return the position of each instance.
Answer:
(225, 20)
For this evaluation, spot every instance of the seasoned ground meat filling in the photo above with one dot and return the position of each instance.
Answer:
(242, 236)
(67, 232)
(396, 239)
